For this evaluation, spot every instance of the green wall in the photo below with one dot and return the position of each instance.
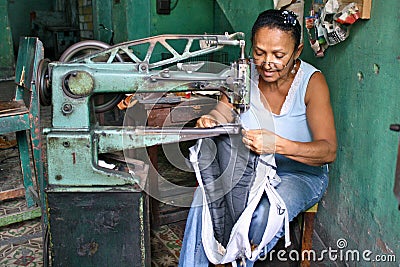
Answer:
(102, 11)
(19, 16)
(188, 17)
(242, 17)
(15, 22)
(135, 19)
(6, 44)
(360, 205)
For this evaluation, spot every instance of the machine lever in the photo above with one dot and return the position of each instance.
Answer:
(192, 133)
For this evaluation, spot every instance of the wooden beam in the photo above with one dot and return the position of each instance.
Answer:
(20, 216)
(12, 193)
(363, 5)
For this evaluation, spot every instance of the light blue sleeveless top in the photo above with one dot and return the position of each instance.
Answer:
(291, 123)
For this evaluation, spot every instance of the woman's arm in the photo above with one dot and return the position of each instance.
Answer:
(320, 120)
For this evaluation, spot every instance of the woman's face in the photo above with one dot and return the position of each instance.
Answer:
(274, 53)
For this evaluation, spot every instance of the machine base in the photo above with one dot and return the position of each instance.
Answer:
(99, 228)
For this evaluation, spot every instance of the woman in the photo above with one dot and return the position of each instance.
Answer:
(303, 137)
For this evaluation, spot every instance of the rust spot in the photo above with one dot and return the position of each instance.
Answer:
(93, 248)
(382, 245)
(88, 248)
(73, 158)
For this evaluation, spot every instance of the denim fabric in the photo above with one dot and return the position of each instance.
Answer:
(227, 170)
(299, 190)
(192, 251)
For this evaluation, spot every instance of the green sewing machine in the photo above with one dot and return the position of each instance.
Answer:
(97, 215)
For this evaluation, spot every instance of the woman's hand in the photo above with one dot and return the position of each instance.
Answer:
(260, 141)
(206, 121)
(221, 114)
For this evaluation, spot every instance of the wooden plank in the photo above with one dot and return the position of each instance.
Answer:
(366, 9)
(307, 230)
(11, 108)
(363, 5)
(10, 124)
(174, 216)
(313, 208)
(184, 114)
(159, 117)
(20, 216)
(25, 62)
(12, 193)
(306, 240)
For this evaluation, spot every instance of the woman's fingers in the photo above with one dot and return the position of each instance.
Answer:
(206, 122)
(246, 140)
(260, 141)
(249, 143)
(252, 134)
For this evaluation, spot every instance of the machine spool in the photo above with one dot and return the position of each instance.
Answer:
(82, 49)
(43, 82)
(78, 84)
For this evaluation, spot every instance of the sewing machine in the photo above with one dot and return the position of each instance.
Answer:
(97, 215)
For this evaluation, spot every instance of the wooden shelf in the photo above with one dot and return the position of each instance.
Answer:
(363, 5)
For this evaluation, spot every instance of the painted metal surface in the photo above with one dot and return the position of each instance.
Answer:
(76, 140)
(102, 229)
(25, 122)
(137, 75)
(72, 161)
(80, 83)
(15, 123)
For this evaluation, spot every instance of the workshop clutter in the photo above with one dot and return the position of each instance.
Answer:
(327, 25)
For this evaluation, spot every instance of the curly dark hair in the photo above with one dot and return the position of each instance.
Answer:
(283, 20)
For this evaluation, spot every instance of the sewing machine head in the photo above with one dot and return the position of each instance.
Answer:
(120, 70)
(78, 140)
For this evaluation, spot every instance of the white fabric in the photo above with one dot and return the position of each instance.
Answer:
(290, 98)
(238, 246)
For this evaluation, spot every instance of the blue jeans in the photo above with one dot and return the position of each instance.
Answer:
(299, 190)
